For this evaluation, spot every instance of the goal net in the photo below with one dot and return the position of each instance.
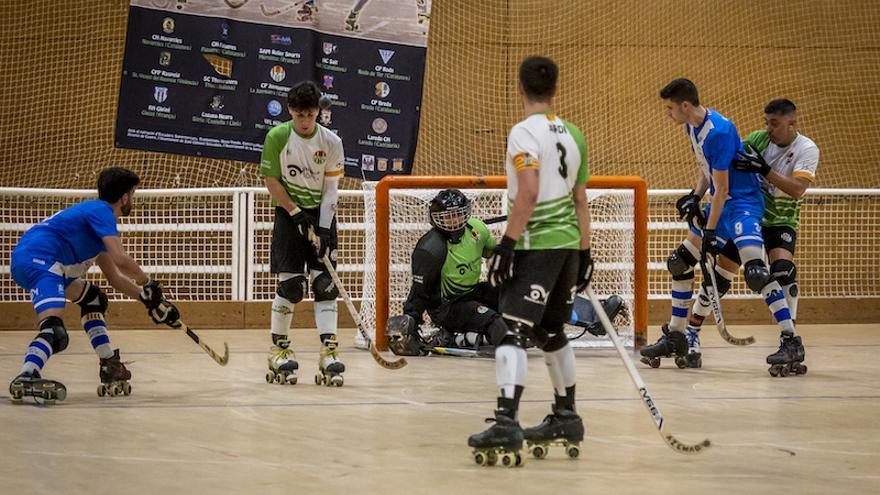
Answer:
(398, 208)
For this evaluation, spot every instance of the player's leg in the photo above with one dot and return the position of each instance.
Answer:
(780, 243)
(351, 22)
(725, 270)
(325, 292)
(563, 425)
(288, 261)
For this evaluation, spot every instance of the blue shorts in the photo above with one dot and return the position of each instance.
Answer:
(32, 273)
(742, 225)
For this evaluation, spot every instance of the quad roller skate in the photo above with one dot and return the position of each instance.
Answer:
(694, 356)
(351, 22)
(562, 427)
(669, 345)
(423, 14)
(330, 368)
(282, 363)
(114, 377)
(306, 12)
(31, 384)
(789, 358)
(503, 441)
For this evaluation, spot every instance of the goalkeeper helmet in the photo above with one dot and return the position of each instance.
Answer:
(449, 212)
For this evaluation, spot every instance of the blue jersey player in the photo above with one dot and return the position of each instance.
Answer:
(49, 260)
(731, 222)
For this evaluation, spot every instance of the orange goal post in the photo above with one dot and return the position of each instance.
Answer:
(619, 208)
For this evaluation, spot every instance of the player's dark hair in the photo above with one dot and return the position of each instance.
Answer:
(304, 95)
(538, 77)
(113, 182)
(781, 106)
(680, 90)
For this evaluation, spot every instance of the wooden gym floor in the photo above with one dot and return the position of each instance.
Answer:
(191, 426)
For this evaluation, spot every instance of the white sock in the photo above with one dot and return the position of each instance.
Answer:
(511, 368)
(282, 315)
(326, 317)
(560, 364)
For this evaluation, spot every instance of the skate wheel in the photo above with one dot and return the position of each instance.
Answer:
(480, 458)
(270, 377)
(61, 393)
(518, 459)
(318, 379)
(573, 451)
(126, 388)
(802, 369)
(336, 381)
(539, 452)
(681, 362)
(16, 400)
(102, 390)
(774, 371)
(507, 460)
(491, 458)
(784, 371)
(291, 379)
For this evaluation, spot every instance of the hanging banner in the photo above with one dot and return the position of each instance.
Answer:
(210, 77)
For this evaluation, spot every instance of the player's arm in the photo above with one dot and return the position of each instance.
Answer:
(325, 241)
(794, 186)
(122, 262)
(119, 281)
(525, 200)
(270, 170)
(722, 187)
(425, 284)
(702, 186)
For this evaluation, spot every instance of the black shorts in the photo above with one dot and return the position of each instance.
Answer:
(474, 312)
(542, 289)
(291, 252)
(780, 236)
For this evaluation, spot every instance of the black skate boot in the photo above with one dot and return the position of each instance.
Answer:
(789, 358)
(694, 356)
(670, 345)
(114, 377)
(31, 384)
(563, 427)
(351, 22)
(504, 439)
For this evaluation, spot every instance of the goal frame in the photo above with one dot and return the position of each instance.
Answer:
(640, 236)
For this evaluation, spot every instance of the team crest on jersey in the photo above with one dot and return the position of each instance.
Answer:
(320, 157)
(475, 234)
(789, 157)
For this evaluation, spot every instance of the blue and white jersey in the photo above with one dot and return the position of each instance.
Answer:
(67, 242)
(715, 143)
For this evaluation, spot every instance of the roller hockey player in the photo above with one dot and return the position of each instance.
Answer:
(49, 260)
(538, 266)
(423, 14)
(301, 165)
(307, 11)
(732, 217)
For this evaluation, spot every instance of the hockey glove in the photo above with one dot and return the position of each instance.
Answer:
(165, 313)
(501, 262)
(302, 221)
(585, 270)
(324, 242)
(709, 243)
(151, 294)
(751, 161)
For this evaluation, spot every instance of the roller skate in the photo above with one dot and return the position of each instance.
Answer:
(306, 12)
(789, 358)
(562, 427)
(330, 368)
(423, 14)
(504, 439)
(351, 22)
(114, 377)
(31, 384)
(282, 362)
(694, 356)
(670, 345)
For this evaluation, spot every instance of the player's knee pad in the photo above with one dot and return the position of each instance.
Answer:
(557, 341)
(52, 331)
(324, 288)
(403, 337)
(92, 300)
(518, 333)
(681, 263)
(723, 283)
(293, 289)
(784, 271)
(757, 275)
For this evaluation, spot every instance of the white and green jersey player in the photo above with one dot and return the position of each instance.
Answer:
(301, 164)
(542, 260)
(787, 160)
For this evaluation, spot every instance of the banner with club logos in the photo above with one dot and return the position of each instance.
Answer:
(210, 78)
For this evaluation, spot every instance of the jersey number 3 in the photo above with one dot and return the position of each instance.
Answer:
(563, 169)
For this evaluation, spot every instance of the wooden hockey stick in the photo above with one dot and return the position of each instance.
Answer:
(499, 219)
(221, 360)
(670, 440)
(391, 365)
(707, 264)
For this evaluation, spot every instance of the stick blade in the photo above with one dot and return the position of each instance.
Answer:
(389, 365)
(222, 360)
(686, 449)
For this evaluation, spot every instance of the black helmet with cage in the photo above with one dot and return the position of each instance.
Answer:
(449, 212)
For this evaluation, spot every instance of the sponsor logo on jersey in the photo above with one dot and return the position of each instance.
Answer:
(165, 59)
(386, 55)
(382, 89)
(789, 157)
(280, 39)
(274, 108)
(217, 103)
(380, 125)
(160, 93)
(368, 162)
(463, 268)
(537, 294)
(168, 25)
(277, 73)
(328, 48)
(328, 82)
(786, 237)
(224, 31)
(320, 157)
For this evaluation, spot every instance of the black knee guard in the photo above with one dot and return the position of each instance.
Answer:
(723, 284)
(521, 332)
(557, 341)
(292, 289)
(681, 263)
(92, 300)
(52, 331)
(324, 288)
(757, 275)
(496, 330)
(784, 272)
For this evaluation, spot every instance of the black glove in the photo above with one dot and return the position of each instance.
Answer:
(165, 313)
(751, 161)
(709, 242)
(688, 207)
(585, 270)
(151, 294)
(324, 242)
(501, 262)
(303, 221)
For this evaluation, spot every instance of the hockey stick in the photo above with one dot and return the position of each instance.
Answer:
(670, 440)
(707, 264)
(221, 360)
(391, 365)
(490, 221)
(459, 352)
